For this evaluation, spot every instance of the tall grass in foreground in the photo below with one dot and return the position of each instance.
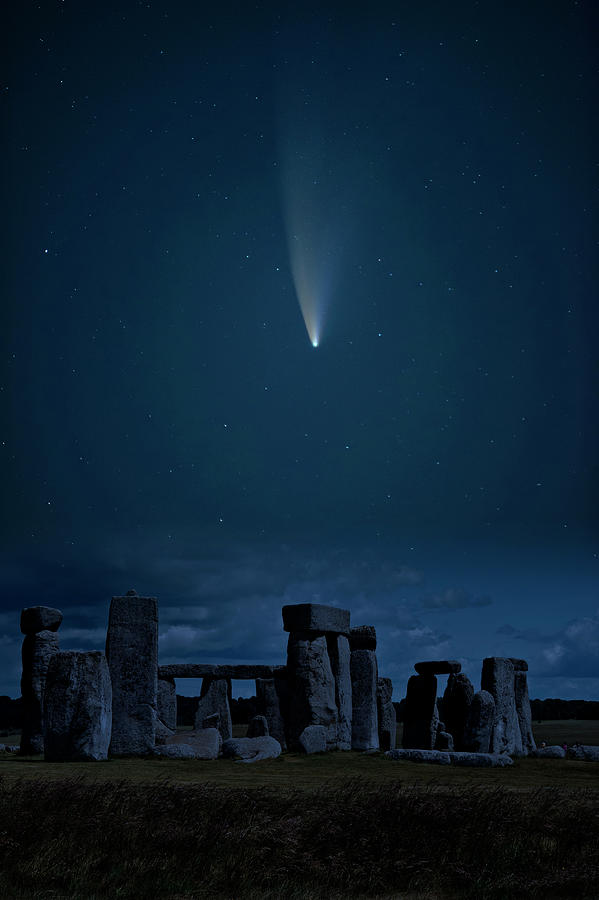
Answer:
(122, 840)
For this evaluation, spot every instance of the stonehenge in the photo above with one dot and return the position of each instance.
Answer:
(39, 625)
(88, 705)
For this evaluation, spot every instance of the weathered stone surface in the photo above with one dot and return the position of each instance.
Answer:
(446, 758)
(365, 719)
(427, 756)
(520, 665)
(552, 752)
(523, 710)
(311, 688)
(251, 749)
(586, 752)
(40, 618)
(162, 732)
(177, 751)
(212, 721)
(205, 742)
(132, 654)
(207, 670)
(257, 727)
(438, 667)
(479, 724)
(420, 713)
(482, 760)
(386, 714)
(339, 655)
(214, 698)
(362, 637)
(269, 705)
(315, 617)
(313, 739)
(498, 679)
(38, 649)
(456, 706)
(77, 707)
(444, 740)
(166, 701)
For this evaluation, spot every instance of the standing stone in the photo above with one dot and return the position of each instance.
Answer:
(166, 702)
(132, 654)
(386, 714)
(420, 713)
(498, 679)
(479, 724)
(40, 618)
(364, 677)
(311, 682)
(77, 707)
(523, 706)
(268, 704)
(339, 655)
(214, 698)
(313, 739)
(456, 706)
(257, 727)
(38, 650)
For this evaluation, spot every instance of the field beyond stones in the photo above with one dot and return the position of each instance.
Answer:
(327, 826)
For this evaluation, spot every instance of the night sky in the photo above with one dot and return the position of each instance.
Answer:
(424, 177)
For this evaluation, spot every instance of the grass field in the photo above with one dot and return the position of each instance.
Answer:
(336, 825)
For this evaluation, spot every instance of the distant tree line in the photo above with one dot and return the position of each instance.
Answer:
(244, 708)
(564, 709)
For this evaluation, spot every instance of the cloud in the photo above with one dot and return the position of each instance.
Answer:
(569, 652)
(453, 598)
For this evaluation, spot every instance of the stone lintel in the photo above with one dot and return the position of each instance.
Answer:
(520, 665)
(207, 670)
(362, 637)
(315, 617)
(438, 667)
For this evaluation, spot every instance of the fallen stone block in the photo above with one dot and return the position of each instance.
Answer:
(40, 618)
(482, 760)
(552, 752)
(438, 667)
(586, 752)
(315, 617)
(313, 739)
(425, 756)
(178, 751)
(162, 732)
(77, 707)
(251, 749)
(205, 742)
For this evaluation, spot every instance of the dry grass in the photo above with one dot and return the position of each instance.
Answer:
(73, 838)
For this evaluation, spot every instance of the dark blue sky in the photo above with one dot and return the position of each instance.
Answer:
(166, 423)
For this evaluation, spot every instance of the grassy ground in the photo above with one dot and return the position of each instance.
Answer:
(71, 838)
(336, 825)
